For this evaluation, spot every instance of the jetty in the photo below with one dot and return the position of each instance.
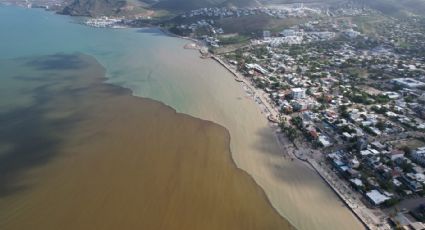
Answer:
(202, 49)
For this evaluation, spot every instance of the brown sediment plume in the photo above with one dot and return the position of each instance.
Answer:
(83, 154)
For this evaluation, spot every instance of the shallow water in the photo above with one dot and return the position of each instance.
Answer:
(94, 157)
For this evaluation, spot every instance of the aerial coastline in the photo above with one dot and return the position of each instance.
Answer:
(80, 173)
(323, 110)
(254, 147)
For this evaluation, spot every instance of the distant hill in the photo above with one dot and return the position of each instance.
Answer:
(389, 7)
(182, 5)
(241, 3)
(94, 7)
(114, 7)
(298, 1)
(397, 7)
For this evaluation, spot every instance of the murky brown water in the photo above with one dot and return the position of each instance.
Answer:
(76, 153)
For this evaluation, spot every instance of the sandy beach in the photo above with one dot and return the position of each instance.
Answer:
(293, 188)
(157, 66)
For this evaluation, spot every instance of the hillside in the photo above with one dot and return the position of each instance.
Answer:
(388, 7)
(115, 7)
(397, 7)
(183, 5)
(301, 1)
(94, 7)
(241, 3)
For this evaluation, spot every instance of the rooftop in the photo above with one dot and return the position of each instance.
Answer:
(376, 197)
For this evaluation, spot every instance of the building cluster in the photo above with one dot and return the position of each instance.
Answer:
(360, 99)
(205, 30)
(204, 22)
(105, 22)
(381, 172)
(297, 10)
(311, 31)
(292, 37)
(407, 35)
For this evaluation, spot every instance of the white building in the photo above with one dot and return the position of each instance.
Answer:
(290, 40)
(392, 95)
(354, 163)
(324, 141)
(303, 104)
(291, 33)
(419, 156)
(298, 93)
(256, 67)
(351, 33)
(408, 82)
(376, 197)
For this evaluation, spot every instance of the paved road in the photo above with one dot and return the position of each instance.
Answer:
(372, 218)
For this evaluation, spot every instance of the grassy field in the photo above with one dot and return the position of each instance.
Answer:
(411, 143)
(368, 24)
(255, 24)
(397, 7)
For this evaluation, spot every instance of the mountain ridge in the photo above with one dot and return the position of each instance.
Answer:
(114, 7)
(94, 7)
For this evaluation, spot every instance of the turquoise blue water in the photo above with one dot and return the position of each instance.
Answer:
(156, 66)
(130, 56)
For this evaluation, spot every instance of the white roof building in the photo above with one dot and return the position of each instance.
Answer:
(376, 197)
(408, 82)
(324, 141)
(298, 93)
(357, 182)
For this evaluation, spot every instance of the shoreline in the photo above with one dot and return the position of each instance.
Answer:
(267, 216)
(267, 181)
(312, 165)
(356, 209)
(272, 114)
(227, 131)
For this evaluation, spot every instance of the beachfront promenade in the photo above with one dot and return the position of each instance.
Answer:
(258, 94)
(372, 219)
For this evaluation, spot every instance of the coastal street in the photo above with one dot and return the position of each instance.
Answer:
(372, 219)
(303, 115)
(258, 94)
(368, 216)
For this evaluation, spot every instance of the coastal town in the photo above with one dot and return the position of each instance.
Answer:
(346, 99)
(347, 102)
(343, 86)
